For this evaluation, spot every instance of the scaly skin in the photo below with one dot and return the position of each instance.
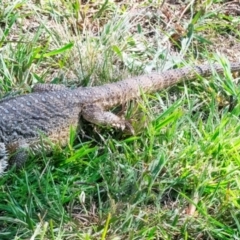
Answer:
(48, 113)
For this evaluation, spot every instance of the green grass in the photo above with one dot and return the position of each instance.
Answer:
(178, 177)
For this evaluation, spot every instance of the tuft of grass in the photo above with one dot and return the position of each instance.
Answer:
(178, 177)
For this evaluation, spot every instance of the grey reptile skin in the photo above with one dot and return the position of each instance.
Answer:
(47, 114)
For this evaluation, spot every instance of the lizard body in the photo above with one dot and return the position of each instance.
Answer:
(51, 110)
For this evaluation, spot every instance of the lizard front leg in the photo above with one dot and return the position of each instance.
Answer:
(95, 114)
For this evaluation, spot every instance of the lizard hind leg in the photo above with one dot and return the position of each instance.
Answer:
(19, 158)
(95, 114)
(18, 153)
(3, 158)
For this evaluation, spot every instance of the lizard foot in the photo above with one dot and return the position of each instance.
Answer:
(95, 114)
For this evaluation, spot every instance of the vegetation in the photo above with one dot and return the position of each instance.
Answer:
(178, 177)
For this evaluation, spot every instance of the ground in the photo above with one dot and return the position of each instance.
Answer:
(178, 177)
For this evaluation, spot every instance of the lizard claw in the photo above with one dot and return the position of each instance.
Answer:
(129, 128)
